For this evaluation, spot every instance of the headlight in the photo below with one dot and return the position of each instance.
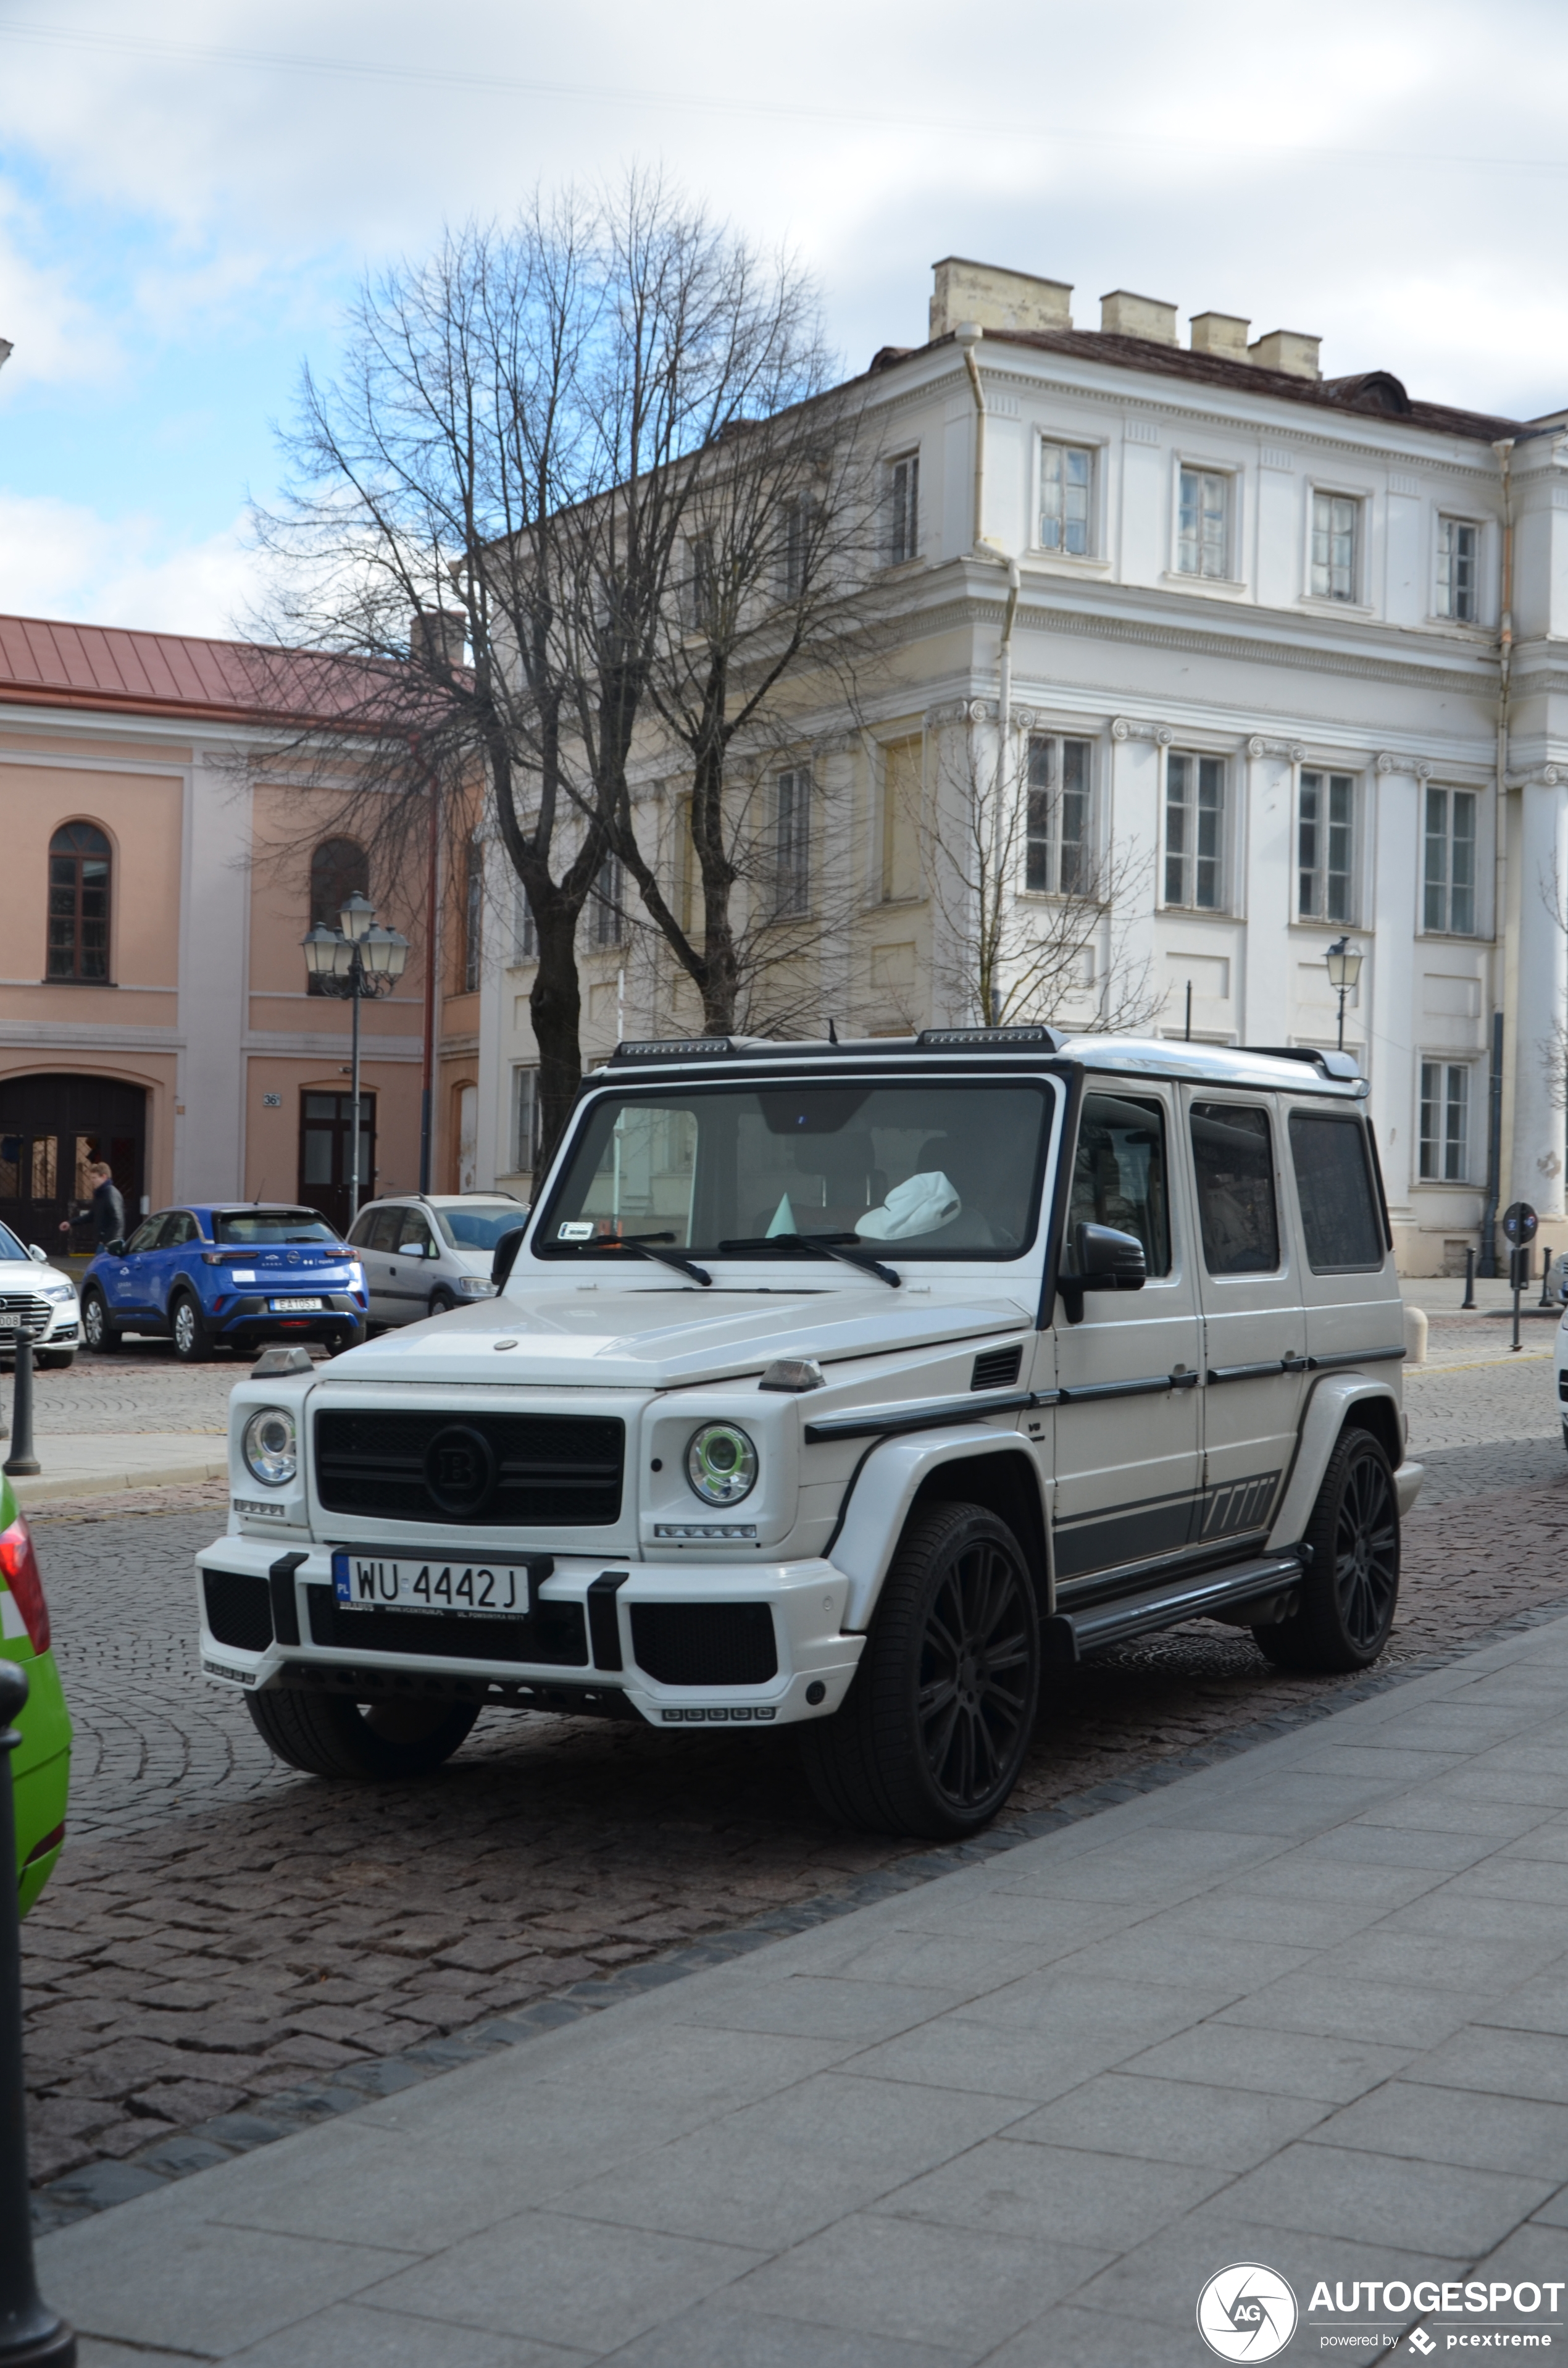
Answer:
(474, 1286)
(60, 1290)
(720, 1464)
(267, 1447)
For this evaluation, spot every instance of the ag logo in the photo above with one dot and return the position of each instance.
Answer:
(1246, 2312)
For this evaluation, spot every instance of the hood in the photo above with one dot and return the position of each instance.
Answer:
(658, 1338)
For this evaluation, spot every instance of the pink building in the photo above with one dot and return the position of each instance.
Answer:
(154, 891)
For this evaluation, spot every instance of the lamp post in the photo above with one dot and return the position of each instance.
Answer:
(1344, 970)
(357, 959)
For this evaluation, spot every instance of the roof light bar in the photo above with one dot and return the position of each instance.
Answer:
(1049, 1037)
(673, 1048)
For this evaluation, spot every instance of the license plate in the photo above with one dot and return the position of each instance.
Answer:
(10, 1323)
(292, 1306)
(366, 1583)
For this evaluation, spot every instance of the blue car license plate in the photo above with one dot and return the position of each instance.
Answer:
(293, 1306)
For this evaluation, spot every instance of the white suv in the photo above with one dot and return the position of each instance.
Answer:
(844, 1385)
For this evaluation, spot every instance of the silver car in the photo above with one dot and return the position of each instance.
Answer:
(425, 1253)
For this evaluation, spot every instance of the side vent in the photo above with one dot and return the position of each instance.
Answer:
(998, 1369)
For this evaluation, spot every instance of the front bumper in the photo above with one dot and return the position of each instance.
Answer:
(285, 1628)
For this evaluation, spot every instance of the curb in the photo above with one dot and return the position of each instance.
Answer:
(100, 1484)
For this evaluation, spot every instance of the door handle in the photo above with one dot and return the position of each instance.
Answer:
(1184, 1380)
(1294, 1364)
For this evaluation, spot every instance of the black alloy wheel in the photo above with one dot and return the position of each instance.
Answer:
(328, 1735)
(1350, 1589)
(934, 1729)
(98, 1332)
(192, 1345)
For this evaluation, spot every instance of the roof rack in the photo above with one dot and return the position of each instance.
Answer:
(1344, 1065)
(763, 1048)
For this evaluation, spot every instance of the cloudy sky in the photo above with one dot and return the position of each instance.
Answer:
(189, 189)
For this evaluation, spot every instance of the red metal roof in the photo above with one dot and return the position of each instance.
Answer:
(47, 663)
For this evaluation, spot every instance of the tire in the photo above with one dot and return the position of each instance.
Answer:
(1350, 1590)
(914, 1749)
(327, 1735)
(441, 1303)
(98, 1333)
(188, 1332)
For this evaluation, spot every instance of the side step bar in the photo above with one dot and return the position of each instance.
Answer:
(1069, 1635)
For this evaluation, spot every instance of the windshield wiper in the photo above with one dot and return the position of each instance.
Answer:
(830, 1246)
(643, 1245)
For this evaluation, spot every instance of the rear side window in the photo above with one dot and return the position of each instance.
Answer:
(1119, 1177)
(1334, 1181)
(1233, 1157)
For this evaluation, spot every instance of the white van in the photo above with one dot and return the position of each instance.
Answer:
(842, 1386)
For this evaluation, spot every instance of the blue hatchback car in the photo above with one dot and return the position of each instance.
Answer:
(226, 1274)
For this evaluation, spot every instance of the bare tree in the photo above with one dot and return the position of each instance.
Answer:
(1033, 921)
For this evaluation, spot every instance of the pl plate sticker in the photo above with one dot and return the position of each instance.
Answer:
(1246, 2312)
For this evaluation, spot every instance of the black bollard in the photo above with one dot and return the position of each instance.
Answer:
(1469, 1299)
(1545, 1299)
(31, 2335)
(21, 1462)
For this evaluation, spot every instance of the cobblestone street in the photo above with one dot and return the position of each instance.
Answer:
(222, 1929)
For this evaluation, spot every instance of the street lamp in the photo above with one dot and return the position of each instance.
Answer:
(1344, 970)
(357, 959)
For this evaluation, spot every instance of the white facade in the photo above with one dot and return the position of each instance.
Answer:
(1271, 607)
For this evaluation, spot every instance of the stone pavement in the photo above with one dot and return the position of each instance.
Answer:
(1305, 2010)
(130, 1420)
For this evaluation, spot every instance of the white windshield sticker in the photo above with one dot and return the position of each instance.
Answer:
(575, 1229)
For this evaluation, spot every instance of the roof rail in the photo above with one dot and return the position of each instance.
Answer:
(1344, 1065)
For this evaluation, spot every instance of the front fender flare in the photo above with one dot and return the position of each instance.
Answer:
(880, 1494)
(1331, 1401)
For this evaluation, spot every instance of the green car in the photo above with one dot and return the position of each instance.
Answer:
(41, 1766)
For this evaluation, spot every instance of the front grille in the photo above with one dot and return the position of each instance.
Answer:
(24, 1311)
(239, 1609)
(558, 1638)
(510, 1471)
(998, 1369)
(705, 1644)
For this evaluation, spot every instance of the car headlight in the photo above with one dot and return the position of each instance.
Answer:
(60, 1290)
(268, 1447)
(720, 1464)
(474, 1286)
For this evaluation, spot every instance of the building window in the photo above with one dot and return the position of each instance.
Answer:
(1195, 806)
(78, 903)
(1203, 524)
(701, 584)
(1057, 851)
(1445, 1121)
(608, 897)
(1448, 904)
(525, 1122)
(792, 844)
(1066, 482)
(473, 914)
(1336, 526)
(525, 928)
(1325, 846)
(339, 868)
(903, 509)
(1457, 552)
(794, 548)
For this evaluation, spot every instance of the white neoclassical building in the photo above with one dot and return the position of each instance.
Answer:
(1294, 648)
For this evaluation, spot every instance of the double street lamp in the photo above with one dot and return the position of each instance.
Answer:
(357, 959)
(1344, 970)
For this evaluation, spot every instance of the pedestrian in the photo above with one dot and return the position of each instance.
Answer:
(108, 1209)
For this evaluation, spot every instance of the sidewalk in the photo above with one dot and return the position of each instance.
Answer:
(1305, 2008)
(92, 1464)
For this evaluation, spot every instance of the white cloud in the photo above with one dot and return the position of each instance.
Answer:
(61, 559)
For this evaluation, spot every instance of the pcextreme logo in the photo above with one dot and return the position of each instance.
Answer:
(1246, 2312)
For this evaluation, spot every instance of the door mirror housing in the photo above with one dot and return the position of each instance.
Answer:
(1104, 1259)
(504, 1258)
(114, 1249)
(40, 1257)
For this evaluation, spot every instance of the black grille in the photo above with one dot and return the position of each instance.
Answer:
(544, 1471)
(705, 1644)
(557, 1639)
(239, 1609)
(998, 1369)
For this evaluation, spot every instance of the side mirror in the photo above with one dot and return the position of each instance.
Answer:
(39, 1257)
(114, 1249)
(505, 1256)
(1105, 1259)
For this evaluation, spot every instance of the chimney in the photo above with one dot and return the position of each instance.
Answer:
(1123, 315)
(1220, 333)
(997, 299)
(1287, 350)
(435, 638)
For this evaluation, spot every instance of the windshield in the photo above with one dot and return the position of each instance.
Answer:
(254, 1228)
(480, 1228)
(10, 1247)
(924, 1170)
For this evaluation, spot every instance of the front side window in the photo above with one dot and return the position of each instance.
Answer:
(478, 1225)
(903, 509)
(1445, 1121)
(1066, 484)
(1456, 554)
(1336, 531)
(1195, 806)
(1325, 846)
(1202, 523)
(792, 844)
(1057, 854)
(923, 1169)
(78, 903)
(1334, 1184)
(146, 1234)
(1233, 1158)
(1449, 899)
(1119, 1177)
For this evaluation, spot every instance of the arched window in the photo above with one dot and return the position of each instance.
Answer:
(339, 868)
(78, 903)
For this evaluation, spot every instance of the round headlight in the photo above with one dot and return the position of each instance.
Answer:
(267, 1447)
(720, 1464)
